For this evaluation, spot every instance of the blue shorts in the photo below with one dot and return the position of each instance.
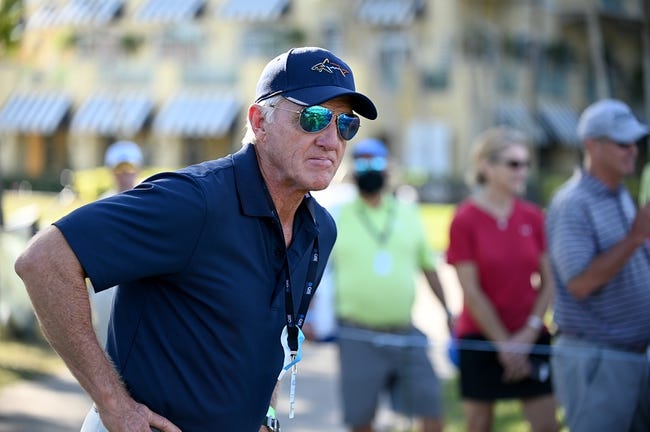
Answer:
(373, 362)
(601, 389)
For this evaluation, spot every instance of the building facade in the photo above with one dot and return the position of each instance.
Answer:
(176, 76)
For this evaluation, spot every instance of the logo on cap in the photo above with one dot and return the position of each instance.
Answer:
(329, 67)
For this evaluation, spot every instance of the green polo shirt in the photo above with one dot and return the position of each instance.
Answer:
(377, 257)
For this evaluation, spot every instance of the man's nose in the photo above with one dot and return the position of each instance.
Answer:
(329, 137)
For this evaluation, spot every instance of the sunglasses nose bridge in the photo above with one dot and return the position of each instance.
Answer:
(331, 132)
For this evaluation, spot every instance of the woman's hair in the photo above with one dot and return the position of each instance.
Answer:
(489, 145)
(267, 110)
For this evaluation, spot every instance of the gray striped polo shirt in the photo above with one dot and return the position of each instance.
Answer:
(584, 219)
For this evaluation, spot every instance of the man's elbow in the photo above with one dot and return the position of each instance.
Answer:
(27, 268)
(39, 253)
(23, 264)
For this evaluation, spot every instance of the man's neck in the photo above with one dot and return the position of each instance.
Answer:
(610, 180)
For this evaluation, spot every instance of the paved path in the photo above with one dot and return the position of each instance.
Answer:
(57, 404)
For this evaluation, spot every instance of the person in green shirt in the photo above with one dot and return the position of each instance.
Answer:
(381, 248)
(644, 185)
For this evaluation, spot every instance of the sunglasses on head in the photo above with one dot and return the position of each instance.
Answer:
(376, 163)
(315, 118)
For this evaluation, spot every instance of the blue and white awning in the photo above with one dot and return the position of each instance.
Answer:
(37, 112)
(516, 115)
(112, 114)
(166, 11)
(253, 10)
(561, 121)
(75, 12)
(389, 12)
(197, 114)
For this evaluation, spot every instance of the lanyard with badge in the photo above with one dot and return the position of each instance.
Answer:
(383, 259)
(292, 336)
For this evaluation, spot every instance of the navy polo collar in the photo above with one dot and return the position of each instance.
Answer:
(253, 195)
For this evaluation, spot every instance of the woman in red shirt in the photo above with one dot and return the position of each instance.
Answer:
(498, 248)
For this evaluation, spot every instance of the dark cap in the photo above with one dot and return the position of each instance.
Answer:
(310, 76)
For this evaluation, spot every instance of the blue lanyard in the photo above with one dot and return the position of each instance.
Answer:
(295, 321)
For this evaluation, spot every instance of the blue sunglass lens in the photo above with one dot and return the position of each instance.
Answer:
(315, 118)
(348, 125)
(370, 164)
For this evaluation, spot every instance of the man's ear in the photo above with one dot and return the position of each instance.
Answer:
(590, 144)
(256, 119)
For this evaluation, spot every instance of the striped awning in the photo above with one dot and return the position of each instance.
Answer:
(561, 121)
(253, 10)
(197, 114)
(516, 115)
(166, 11)
(389, 12)
(75, 12)
(38, 112)
(112, 113)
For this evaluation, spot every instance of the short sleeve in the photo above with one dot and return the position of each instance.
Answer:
(461, 244)
(572, 243)
(149, 230)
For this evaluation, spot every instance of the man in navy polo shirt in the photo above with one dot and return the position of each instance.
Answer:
(216, 264)
(600, 256)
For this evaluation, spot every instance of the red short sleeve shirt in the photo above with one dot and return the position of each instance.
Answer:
(506, 255)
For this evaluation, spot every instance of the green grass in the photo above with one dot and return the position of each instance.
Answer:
(508, 414)
(436, 219)
(21, 360)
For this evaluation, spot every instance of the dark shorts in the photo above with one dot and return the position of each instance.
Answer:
(480, 371)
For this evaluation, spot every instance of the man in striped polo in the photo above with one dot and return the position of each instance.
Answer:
(600, 256)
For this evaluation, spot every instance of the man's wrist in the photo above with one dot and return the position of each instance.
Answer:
(270, 421)
(535, 322)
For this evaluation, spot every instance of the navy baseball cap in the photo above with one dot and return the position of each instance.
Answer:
(613, 119)
(310, 76)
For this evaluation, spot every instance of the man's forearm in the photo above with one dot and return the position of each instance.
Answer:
(603, 268)
(55, 282)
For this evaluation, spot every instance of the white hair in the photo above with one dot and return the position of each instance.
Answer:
(267, 111)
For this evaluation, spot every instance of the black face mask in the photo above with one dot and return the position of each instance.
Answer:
(370, 181)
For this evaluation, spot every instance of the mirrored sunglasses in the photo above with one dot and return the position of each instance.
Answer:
(370, 164)
(315, 118)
